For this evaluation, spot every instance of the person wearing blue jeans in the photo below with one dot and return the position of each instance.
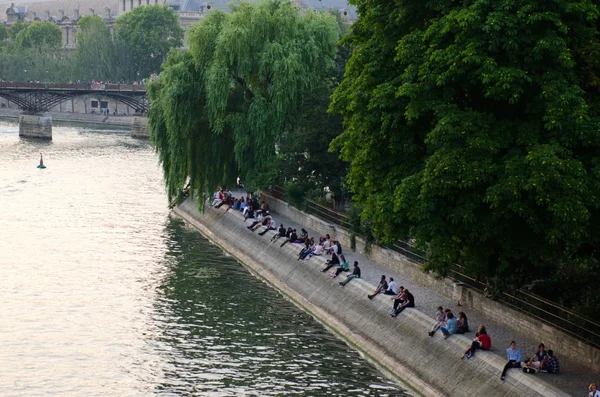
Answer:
(514, 359)
(450, 327)
(409, 301)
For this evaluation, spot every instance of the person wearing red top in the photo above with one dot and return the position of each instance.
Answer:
(482, 341)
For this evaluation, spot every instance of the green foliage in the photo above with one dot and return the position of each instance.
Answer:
(474, 127)
(304, 162)
(15, 28)
(150, 32)
(39, 35)
(99, 55)
(36, 64)
(94, 50)
(221, 108)
(3, 32)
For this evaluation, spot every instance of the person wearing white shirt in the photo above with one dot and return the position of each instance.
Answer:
(594, 392)
(392, 288)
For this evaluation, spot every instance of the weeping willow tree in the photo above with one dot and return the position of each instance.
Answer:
(220, 109)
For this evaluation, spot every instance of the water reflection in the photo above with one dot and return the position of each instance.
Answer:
(103, 294)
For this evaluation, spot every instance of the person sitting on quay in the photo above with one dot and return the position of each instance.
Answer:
(335, 248)
(243, 204)
(551, 364)
(462, 324)
(594, 392)
(267, 220)
(398, 299)
(281, 232)
(408, 301)
(514, 359)
(227, 199)
(237, 204)
(262, 221)
(535, 362)
(327, 243)
(355, 274)
(440, 317)
(392, 288)
(292, 238)
(218, 197)
(269, 226)
(482, 341)
(450, 327)
(382, 286)
(334, 260)
(249, 212)
(309, 246)
(318, 249)
(343, 267)
(303, 236)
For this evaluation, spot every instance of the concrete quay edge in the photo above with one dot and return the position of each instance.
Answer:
(430, 366)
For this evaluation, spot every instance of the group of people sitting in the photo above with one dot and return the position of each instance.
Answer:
(450, 324)
(324, 246)
(542, 360)
(401, 296)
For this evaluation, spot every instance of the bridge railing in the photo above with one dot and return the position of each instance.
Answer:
(71, 86)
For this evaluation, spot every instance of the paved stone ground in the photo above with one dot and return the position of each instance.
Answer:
(574, 377)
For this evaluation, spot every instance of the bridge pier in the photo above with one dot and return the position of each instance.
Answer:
(35, 125)
(139, 127)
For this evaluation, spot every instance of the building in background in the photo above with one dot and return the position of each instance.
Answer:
(66, 15)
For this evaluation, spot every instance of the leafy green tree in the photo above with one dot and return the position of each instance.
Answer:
(3, 32)
(222, 107)
(150, 32)
(15, 28)
(473, 126)
(95, 50)
(304, 163)
(36, 64)
(39, 34)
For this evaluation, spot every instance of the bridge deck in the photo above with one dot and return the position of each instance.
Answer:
(92, 87)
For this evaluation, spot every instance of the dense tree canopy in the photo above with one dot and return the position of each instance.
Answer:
(3, 32)
(15, 28)
(39, 35)
(473, 126)
(222, 108)
(150, 32)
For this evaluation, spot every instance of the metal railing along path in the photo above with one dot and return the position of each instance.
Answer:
(535, 306)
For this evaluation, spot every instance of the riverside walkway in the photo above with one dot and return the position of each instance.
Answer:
(573, 379)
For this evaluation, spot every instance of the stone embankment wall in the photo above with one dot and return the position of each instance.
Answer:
(401, 347)
(404, 267)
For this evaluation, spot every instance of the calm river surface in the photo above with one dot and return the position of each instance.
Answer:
(102, 293)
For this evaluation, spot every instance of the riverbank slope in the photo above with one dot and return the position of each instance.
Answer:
(400, 346)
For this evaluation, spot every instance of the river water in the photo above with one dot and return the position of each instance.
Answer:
(102, 293)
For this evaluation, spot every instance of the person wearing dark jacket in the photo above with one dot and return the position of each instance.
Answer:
(282, 232)
(292, 237)
(409, 301)
(355, 274)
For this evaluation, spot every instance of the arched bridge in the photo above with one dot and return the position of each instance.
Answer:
(41, 97)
